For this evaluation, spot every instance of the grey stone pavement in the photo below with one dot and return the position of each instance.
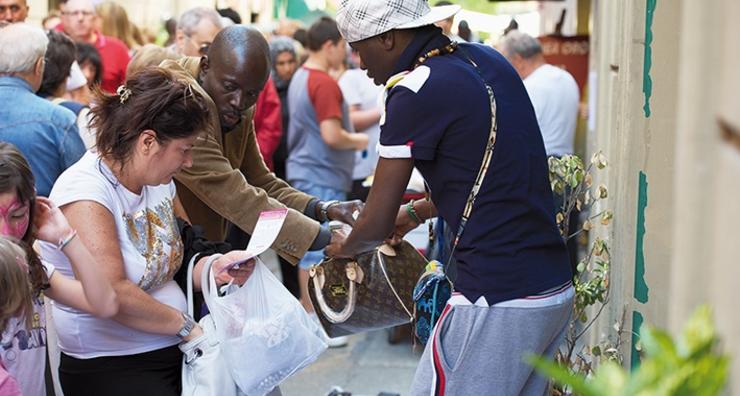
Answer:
(367, 366)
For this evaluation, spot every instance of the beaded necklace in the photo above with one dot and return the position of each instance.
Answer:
(447, 49)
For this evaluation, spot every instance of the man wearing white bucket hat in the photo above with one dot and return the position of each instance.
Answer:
(461, 115)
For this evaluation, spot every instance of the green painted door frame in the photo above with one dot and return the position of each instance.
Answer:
(297, 10)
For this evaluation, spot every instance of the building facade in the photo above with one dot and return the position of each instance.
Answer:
(665, 110)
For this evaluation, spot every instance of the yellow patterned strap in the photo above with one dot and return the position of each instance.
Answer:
(486, 157)
(483, 168)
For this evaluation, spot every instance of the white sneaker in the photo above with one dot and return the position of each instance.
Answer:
(337, 391)
(337, 342)
(331, 342)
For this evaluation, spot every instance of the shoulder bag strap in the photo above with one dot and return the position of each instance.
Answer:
(484, 164)
(191, 294)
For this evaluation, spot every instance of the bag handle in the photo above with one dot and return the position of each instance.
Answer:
(189, 281)
(317, 277)
(206, 277)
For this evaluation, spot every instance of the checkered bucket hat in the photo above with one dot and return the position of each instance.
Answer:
(361, 19)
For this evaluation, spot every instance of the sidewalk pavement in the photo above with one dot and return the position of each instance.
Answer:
(367, 366)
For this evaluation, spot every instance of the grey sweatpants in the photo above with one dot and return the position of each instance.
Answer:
(480, 350)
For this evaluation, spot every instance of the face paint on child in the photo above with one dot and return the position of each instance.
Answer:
(14, 216)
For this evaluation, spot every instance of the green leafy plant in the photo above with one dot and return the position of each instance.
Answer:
(571, 180)
(689, 366)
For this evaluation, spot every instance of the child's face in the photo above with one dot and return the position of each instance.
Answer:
(14, 215)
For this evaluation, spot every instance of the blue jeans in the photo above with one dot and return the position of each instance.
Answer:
(325, 194)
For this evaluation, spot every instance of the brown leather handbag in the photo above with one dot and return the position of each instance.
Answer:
(369, 292)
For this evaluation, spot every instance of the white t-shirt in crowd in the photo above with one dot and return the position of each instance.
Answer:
(152, 253)
(87, 133)
(359, 89)
(554, 95)
(23, 350)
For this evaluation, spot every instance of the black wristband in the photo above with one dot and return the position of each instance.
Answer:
(322, 239)
(310, 210)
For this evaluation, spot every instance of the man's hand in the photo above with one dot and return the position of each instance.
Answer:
(336, 246)
(345, 211)
(404, 224)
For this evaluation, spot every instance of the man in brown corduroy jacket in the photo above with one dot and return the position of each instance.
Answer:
(229, 181)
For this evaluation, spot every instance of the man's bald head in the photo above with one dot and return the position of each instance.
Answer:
(243, 41)
(235, 71)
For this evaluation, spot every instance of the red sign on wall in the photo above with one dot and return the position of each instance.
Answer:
(570, 53)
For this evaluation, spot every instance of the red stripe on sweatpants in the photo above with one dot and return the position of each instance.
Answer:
(439, 386)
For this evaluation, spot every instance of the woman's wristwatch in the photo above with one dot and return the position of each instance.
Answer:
(187, 327)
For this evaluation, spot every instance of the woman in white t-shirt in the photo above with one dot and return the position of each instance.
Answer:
(122, 202)
(24, 218)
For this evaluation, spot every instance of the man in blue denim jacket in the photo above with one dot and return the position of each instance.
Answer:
(45, 133)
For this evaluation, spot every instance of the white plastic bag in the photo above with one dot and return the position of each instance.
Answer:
(204, 371)
(264, 332)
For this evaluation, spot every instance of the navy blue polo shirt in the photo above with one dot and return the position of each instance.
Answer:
(440, 115)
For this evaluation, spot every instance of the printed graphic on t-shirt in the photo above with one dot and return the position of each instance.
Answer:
(16, 339)
(155, 234)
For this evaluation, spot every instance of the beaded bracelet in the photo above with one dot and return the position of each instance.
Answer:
(412, 212)
(66, 240)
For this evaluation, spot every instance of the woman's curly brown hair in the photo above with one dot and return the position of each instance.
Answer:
(152, 99)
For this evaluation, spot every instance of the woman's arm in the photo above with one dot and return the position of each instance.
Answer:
(92, 292)
(96, 228)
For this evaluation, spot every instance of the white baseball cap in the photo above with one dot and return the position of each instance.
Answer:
(76, 77)
(362, 19)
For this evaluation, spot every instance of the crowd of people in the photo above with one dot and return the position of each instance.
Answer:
(123, 162)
